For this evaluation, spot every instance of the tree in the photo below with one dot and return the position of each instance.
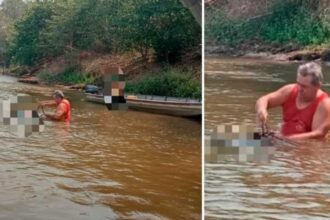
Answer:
(165, 26)
(64, 27)
(195, 6)
(25, 47)
(10, 11)
(175, 30)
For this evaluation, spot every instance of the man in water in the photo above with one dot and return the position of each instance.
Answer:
(63, 108)
(305, 107)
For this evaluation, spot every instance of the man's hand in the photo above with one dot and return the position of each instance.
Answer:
(42, 114)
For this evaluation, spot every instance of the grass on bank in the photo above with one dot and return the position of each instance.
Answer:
(67, 77)
(173, 82)
(168, 82)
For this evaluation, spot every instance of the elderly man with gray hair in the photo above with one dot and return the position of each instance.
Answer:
(63, 107)
(305, 107)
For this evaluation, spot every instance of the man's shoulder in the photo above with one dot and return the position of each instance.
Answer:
(325, 103)
(286, 89)
(289, 87)
(65, 103)
(62, 105)
(66, 100)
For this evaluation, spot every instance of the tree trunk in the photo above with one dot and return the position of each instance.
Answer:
(195, 6)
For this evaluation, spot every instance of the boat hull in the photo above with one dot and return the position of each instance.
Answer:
(184, 109)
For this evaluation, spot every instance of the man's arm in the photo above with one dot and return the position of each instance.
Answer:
(60, 111)
(271, 100)
(50, 103)
(320, 125)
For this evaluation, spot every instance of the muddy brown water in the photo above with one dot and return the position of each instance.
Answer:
(295, 184)
(105, 165)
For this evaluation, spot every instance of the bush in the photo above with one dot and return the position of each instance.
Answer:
(68, 77)
(169, 82)
(292, 21)
(17, 70)
(46, 77)
(223, 29)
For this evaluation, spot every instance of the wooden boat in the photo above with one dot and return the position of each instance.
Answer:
(157, 104)
(95, 98)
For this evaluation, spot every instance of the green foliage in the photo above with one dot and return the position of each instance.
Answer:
(74, 25)
(165, 26)
(53, 28)
(223, 29)
(17, 70)
(168, 82)
(25, 48)
(68, 77)
(47, 77)
(3, 45)
(10, 11)
(293, 21)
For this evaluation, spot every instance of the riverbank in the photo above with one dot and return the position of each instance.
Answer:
(142, 76)
(284, 53)
(77, 43)
(281, 30)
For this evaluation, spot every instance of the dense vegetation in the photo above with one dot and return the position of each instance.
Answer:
(52, 28)
(299, 22)
(10, 11)
(68, 77)
(33, 32)
(169, 82)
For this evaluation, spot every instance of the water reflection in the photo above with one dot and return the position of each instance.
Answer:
(295, 184)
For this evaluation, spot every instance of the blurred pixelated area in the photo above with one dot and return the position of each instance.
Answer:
(114, 85)
(21, 114)
(239, 143)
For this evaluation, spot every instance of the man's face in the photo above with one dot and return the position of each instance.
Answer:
(57, 99)
(307, 90)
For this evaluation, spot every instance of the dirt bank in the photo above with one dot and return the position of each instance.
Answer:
(96, 65)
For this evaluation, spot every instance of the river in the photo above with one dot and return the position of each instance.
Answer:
(105, 165)
(295, 184)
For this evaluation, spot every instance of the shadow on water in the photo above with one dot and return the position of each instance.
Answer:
(105, 165)
(295, 184)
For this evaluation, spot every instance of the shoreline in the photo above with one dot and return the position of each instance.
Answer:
(298, 55)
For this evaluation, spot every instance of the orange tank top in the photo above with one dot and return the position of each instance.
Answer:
(296, 121)
(67, 115)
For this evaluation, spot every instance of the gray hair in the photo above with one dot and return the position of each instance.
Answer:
(311, 69)
(58, 94)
